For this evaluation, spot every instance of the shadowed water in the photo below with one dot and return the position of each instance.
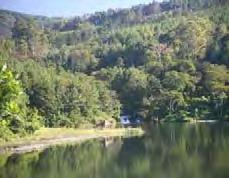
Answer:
(168, 151)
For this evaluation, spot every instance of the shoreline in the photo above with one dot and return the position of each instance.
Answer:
(40, 141)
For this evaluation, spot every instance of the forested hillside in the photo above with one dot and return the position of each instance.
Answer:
(164, 61)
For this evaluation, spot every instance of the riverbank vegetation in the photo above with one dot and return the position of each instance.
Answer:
(162, 61)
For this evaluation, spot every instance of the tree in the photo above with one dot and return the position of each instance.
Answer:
(6, 46)
(191, 39)
(15, 117)
(30, 40)
(178, 81)
(216, 79)
(81, 61)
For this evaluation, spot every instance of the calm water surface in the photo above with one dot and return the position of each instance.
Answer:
(168, 151)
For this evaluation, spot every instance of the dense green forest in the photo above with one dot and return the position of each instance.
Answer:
(163, 61)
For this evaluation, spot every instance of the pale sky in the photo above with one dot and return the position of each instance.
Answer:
(66, 8)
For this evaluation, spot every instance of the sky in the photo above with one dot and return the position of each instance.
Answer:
(66, 8)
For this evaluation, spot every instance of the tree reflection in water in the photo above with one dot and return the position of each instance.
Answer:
(170, 150)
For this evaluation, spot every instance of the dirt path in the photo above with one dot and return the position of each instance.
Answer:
(35, 144)
(43, 144)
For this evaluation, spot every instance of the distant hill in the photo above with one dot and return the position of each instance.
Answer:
(8, 19)
(111, 18)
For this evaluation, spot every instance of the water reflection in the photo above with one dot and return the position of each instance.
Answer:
(169, 151)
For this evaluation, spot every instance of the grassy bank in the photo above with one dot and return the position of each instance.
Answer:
(46, 137)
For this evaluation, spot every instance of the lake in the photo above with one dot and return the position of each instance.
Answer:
(166, 151)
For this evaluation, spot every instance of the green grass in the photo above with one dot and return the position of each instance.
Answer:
(46, 134)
